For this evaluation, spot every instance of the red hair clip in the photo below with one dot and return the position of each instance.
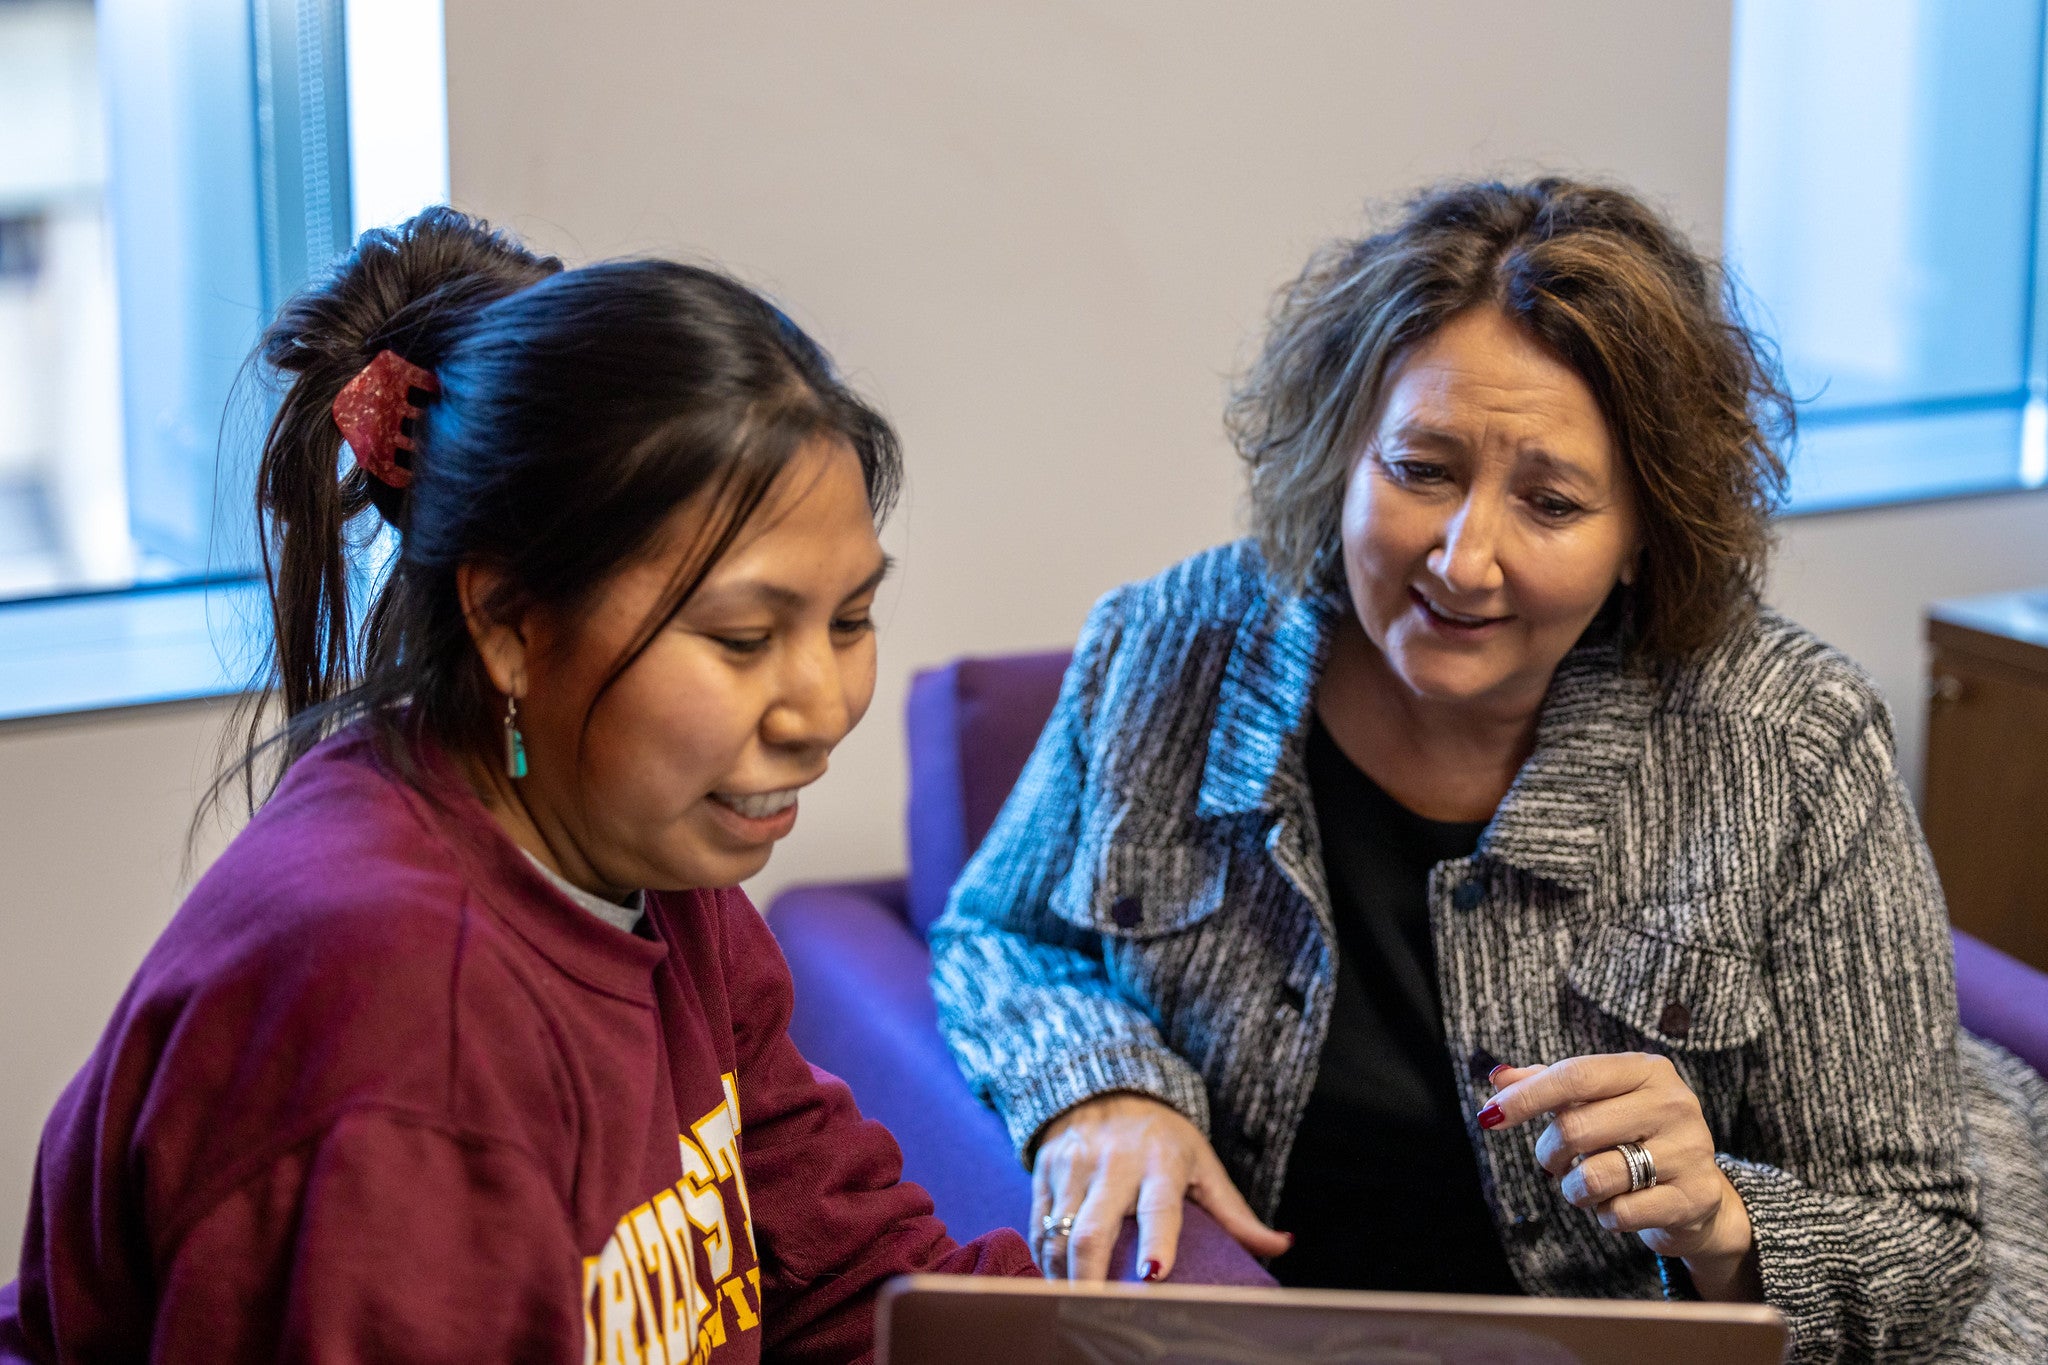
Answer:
(371, 411)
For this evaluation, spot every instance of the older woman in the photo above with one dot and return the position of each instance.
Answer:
(1466, 868)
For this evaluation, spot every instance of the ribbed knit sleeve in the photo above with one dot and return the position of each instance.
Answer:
(1857, 1184)
(1024, 1000)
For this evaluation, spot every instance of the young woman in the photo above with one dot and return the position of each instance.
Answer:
(468, 1047)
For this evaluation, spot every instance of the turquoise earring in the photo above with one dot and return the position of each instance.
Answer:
(515, 743)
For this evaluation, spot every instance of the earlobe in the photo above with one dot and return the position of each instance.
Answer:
(500, 644)
(1629, 568)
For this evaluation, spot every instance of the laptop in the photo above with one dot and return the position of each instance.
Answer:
(950, 1320)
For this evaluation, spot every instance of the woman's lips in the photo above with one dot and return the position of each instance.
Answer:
(758, 805)
(777, 821)
(1453, 625)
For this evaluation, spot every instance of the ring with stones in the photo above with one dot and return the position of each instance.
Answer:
(1642, 1167)
(1056, 1227)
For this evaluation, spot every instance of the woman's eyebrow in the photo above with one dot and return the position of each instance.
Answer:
(873, 580)
(1422, 434)
(1563, 466)
(775, 595)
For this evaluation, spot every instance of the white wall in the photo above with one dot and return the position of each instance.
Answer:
(1043, 235)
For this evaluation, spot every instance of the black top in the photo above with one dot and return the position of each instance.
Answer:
(1382, 1190)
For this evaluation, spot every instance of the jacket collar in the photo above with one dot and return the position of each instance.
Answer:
(1263, 701)
(1552, 822)
(1589, 738)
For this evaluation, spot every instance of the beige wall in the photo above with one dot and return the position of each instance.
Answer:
(1042, 235)
(93, 821)
(1863, 581)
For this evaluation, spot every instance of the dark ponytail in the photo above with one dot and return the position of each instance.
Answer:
(576, 411)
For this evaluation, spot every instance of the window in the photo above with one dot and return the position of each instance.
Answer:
(1884, 208)
(168, 174)
(63, 501)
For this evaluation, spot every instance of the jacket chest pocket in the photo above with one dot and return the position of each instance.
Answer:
(1153, 908)
(1698, 1004)
(1134, 892)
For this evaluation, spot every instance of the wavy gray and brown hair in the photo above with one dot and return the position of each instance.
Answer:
(1694, 399)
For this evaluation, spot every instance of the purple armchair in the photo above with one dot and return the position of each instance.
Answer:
(864, 1009)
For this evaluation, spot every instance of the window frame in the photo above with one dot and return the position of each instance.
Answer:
(2025, 470)
(206, 633)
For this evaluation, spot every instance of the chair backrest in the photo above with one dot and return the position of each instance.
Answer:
(2003, 999)
(969, 726)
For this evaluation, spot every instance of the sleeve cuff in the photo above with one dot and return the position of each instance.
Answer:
(1775, 1203)
(1815, 1265)
(1029, 1098)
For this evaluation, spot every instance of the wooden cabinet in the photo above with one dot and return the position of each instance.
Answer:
(1986, 799)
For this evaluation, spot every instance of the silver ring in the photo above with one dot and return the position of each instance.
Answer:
(1642, 1167)
(1056, 1227)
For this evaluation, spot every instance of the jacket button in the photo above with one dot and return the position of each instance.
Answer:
(1127, 912)
(1525, 1227)
(1675, 1021)
(1468, 895)
(1480, 1064)
(1294, 998)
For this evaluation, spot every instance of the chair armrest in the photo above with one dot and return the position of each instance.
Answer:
(864, 1012)
(1208, 1254)
(2003, 999)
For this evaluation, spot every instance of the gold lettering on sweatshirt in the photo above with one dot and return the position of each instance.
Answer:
(666, 1289)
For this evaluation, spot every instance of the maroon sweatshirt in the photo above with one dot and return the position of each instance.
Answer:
(380, 1092)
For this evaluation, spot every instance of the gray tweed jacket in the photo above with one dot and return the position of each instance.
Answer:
(1721, 866)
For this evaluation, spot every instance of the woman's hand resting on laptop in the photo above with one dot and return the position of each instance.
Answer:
(1112, 1155)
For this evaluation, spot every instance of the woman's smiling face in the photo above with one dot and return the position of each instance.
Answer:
(686, 770)
(1486, 519)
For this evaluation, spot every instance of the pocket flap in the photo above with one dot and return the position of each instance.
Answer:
(1687, 996)
(1139, 890)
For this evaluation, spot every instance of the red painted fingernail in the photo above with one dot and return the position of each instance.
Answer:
(1149, 1271)
(1496, 1071)
(1491, 1117)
